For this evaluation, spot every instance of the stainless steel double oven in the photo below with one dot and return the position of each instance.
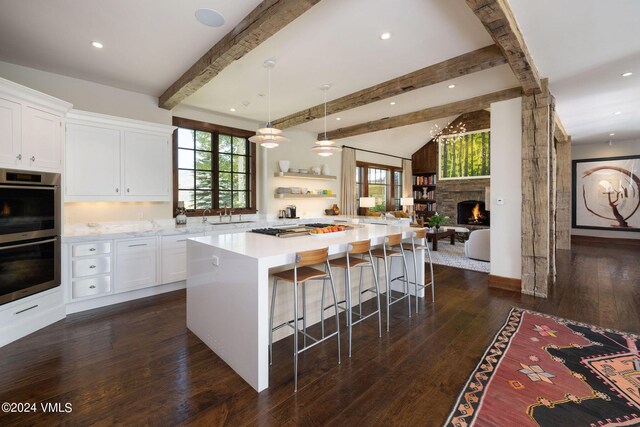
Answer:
(29, 233)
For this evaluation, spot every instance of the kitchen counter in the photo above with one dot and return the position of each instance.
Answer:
(228, 280)
(83, 232)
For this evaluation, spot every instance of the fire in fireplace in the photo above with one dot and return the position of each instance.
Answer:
(473, 212)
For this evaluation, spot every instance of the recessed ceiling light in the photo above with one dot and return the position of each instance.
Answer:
(451, 86)
(338, 118)
(627, 74)
(97, 45)
(385, 36)
(232, 109)
(209, 17)
(612, 134)
(617, 113)
(392, 103)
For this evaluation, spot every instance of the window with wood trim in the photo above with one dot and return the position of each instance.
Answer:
(382, 182)
(213, 167)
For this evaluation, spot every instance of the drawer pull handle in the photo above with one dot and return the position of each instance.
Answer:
(183, 240)
(92, 266)
(92, 249)
(140, 244)
(92, 287)
(26, 309)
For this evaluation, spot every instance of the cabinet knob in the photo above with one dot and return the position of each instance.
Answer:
(92, 287)
(117, 190)
(92, 249)
(92, 266)
(128, 190)
(33, 158)
(19, 157)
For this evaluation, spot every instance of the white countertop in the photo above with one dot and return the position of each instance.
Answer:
(84, 232)
(260, 246)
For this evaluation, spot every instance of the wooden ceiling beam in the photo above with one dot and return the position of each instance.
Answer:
(471, 62)
(560, 132)
(498, 19)
(265, 20)
(432, 113)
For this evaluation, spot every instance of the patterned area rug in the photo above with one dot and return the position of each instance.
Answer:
(546, 371)
(453, 256)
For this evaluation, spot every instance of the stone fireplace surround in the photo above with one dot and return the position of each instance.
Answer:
(450, 192)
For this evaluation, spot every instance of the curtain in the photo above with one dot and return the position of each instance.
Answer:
(407, 178)
(348, 186)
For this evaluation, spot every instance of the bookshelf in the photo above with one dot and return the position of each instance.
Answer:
(424, 194)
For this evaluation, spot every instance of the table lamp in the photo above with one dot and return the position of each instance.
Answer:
(407, 201)
(366, 203)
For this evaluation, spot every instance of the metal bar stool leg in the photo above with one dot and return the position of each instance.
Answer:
(433, 280)
(335, 306)
(347, 290)
(386, 275)
(324, 282)
(295, 333)
(304, 314)
(360, 291)
(273, 308)
(406, 280)
(375, 278)
(415, 275)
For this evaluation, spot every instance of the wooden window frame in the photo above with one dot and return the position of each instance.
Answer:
(365, 181)
(215, 129)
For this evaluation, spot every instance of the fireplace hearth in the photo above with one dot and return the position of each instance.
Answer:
(473, 212)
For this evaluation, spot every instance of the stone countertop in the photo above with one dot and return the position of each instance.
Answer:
(85, 232)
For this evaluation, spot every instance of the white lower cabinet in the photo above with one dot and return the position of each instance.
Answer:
(90, 269)
(136, 264)
(174, 257)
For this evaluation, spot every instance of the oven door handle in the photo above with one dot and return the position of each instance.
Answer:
(21, 245)
(27, 187)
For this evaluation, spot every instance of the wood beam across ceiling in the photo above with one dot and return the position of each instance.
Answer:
(432, 113)
(561, 133)
(471, 62)
(265, 20)
(498, 19)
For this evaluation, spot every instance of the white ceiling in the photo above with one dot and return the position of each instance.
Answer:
(582, 46)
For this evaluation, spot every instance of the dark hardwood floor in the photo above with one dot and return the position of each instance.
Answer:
(136, 363)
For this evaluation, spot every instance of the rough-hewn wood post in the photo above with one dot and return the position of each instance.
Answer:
(538, 269)
(563, 200)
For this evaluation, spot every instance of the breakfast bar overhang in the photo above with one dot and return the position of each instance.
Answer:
(228, 288)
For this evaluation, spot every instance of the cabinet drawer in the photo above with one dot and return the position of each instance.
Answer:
(91, 266)
(92, 249)
(136, 264)
(93, 286)
(30, 306)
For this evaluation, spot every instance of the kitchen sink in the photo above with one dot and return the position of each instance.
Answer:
(228, 223)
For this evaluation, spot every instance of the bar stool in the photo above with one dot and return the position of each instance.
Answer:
(388, 252)
(351, 259)
(418, 242)
(300, 274)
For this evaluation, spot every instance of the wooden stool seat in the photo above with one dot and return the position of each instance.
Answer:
(379, 253)
(304, 274)
(353, 262)
(409, 247)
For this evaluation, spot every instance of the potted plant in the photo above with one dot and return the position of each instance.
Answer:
(437, 220)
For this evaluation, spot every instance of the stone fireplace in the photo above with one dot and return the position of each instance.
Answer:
(450, 192)
(473, 212)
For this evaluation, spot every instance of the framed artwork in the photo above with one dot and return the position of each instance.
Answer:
(465, 155)
(606, 193)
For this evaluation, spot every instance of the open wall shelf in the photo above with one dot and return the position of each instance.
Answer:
(305, 196)
(304, 176)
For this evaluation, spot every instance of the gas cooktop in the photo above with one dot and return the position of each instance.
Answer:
(289, 231)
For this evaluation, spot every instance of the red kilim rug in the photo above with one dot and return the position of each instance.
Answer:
(546, 371)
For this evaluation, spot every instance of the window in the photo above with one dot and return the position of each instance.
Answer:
(214, 167)
(382, 182)
(465, 155)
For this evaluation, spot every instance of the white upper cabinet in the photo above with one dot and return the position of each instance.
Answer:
(10, 132)
(93, 161)
(147, 166)
(116, 159)
(31, 128)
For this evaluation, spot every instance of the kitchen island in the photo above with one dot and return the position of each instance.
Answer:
(228, 288)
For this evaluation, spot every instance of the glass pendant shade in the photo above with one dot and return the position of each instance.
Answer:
(325, 147)
(268, 136)
(326, 150)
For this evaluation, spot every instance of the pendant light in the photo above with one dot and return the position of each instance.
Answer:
(268, 136)
(325, 147)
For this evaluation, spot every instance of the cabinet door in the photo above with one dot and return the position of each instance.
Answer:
(146, 165)
(136, 264)
(41, 139)
(10, 133)
(92, 161)
(174, 257)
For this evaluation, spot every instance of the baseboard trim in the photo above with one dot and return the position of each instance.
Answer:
(505, 283)
(605, 240)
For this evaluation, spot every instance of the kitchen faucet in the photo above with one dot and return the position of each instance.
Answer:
(204, 213)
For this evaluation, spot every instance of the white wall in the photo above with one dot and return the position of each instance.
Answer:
(588, 151)
(506, 183)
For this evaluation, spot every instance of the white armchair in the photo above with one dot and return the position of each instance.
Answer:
(478, 246)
